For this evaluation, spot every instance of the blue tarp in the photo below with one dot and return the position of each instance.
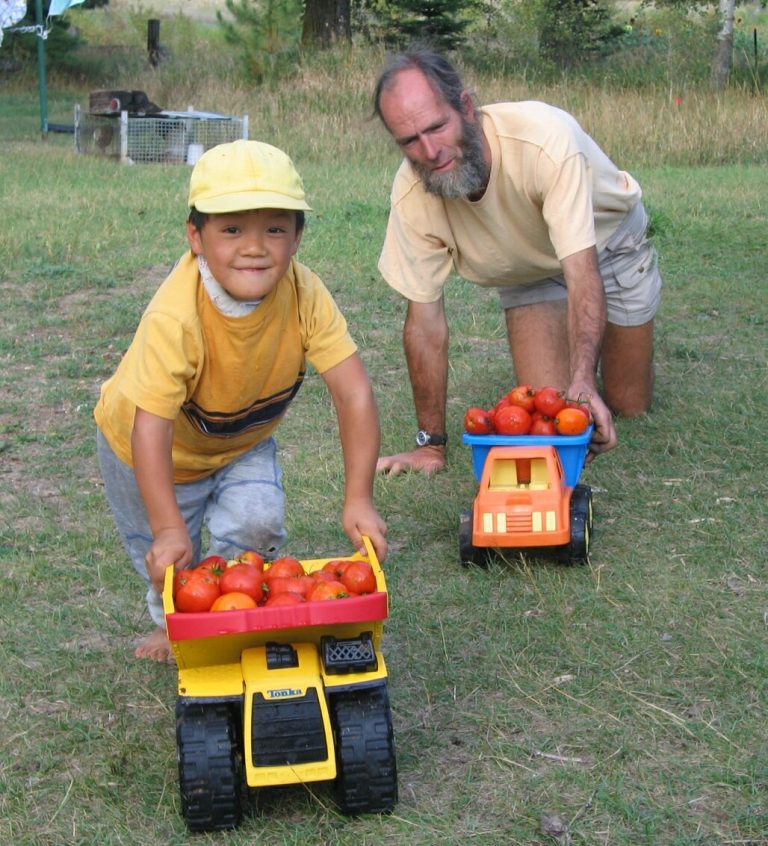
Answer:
(11, 12)
(58, 7)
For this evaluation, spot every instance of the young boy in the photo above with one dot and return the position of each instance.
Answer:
(185, 425)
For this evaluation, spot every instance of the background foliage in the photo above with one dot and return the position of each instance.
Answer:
(633, 43)
(267, 35)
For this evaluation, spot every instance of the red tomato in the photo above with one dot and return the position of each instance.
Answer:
(178, 576)
(306, 583)
(327, 590)
(213, 564)
(500, 404)
(233, 602)
(359, 578)
(512, 420)
(543, 426)
(324, 576)
(571, 421)
(478, 421)
(290, 584)
(182, 576)
(195, 592)
(284, 599)
(549, 401)
(243, 578)
(250, 556)
(336, 567)
(582, 406)
(287, 566)
(522, 396)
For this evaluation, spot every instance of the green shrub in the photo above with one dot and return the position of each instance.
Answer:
(573, 33)
(662, 48)
(267, 35)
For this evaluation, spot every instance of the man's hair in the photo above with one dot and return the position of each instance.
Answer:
(440, 73)
(198, 219)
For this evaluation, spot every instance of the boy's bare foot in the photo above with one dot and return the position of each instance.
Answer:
(156, 646)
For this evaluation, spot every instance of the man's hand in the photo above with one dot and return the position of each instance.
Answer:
(604, 436)
(425, 340)
(428, 459)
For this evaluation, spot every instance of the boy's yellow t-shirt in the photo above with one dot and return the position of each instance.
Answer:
(551, 193)
(225, 381)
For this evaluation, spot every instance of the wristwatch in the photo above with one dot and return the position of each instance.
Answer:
(424, 438)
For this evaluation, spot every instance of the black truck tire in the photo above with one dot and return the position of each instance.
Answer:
(469, 554)
(581, 525)
(210, 766)
(366, 780)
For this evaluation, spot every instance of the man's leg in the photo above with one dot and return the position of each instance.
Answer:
(536, 317)
(630, 269)
(627, 368)
(538, 341)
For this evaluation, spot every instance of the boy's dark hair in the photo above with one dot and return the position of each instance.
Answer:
(198, 219)
(440, 73)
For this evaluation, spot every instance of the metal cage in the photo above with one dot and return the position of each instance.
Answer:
(166, 137)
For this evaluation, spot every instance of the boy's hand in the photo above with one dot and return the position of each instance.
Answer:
(170, 546)
(361, 518)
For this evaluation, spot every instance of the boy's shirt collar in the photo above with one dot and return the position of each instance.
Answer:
(220, 298)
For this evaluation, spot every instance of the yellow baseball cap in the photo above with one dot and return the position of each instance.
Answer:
(245, 175)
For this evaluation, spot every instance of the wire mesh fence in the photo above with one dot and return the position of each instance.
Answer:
(168, 137)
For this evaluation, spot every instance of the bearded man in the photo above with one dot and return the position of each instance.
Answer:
(515, 196)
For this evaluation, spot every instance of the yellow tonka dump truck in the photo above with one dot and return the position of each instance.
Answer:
(528, 497)
(279, 696)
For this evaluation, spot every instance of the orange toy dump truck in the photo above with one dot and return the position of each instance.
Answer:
(529, 497)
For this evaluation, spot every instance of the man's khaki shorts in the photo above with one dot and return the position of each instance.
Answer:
(630, 270)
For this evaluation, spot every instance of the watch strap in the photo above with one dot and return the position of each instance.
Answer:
(424, 438)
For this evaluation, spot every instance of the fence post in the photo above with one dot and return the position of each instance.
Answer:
(42, 83)
(153, 41)
(123, 137)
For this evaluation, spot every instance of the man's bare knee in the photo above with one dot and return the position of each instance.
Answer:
(627, 369)
(538, 342)
(625, 403)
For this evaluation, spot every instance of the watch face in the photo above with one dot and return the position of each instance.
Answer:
(427, 439)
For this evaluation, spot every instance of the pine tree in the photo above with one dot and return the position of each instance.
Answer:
(436, 22)
(267, 33)
(574, 31)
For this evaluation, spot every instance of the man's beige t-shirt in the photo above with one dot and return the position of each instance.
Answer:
(552, 192)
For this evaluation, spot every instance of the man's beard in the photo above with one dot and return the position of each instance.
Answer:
(468, 177)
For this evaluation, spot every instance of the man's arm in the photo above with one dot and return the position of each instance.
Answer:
(359, 433)
(586, 326)
(151, 445)
(425, 340)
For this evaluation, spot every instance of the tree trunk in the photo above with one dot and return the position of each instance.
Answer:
(721, 68)
(326, 22)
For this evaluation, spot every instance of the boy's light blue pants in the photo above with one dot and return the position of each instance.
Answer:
(242, 504)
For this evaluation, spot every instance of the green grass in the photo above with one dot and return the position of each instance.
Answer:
(627, 696)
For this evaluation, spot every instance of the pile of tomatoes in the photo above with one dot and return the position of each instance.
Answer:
(526, 410)
(247, 581)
